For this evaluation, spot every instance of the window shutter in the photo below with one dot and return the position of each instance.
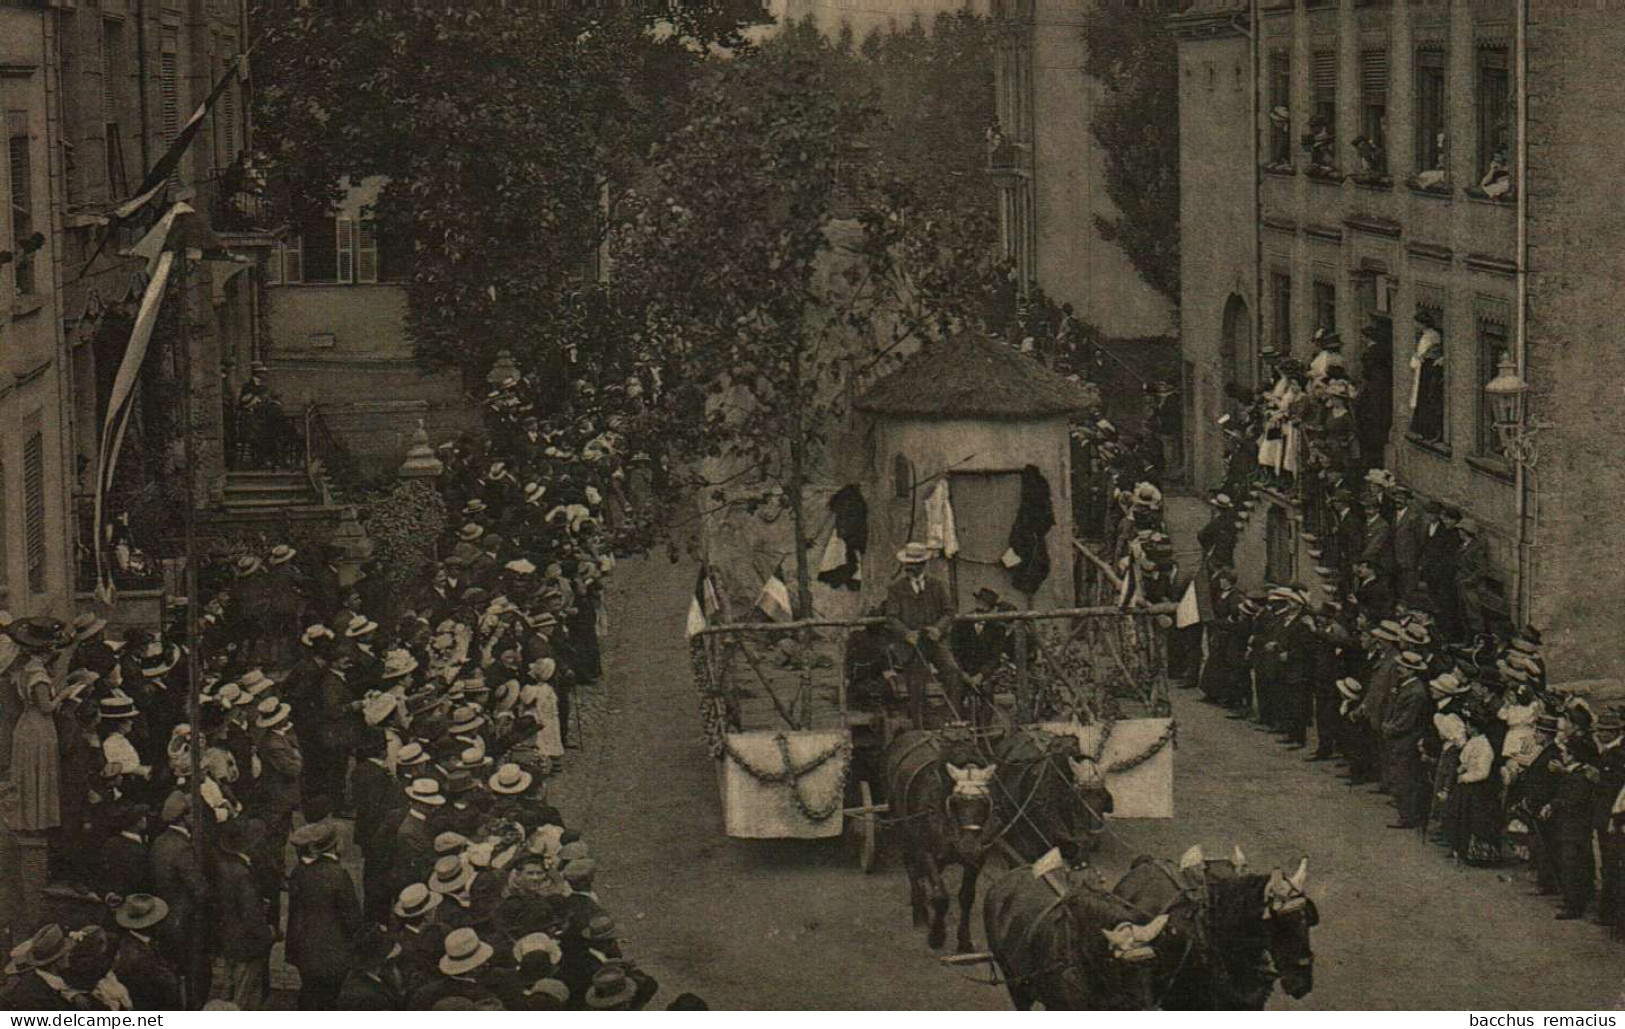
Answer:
(109, 62)
(1374, 72)
(228, 112)
(345, 236)
(21, 168)
(34, 510)
(169, 99)
(1324, 69)
(366, 255)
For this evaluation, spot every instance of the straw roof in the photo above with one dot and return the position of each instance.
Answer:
(971, 376)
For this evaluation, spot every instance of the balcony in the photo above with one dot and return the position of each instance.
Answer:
(1007, 159)
(239, 211)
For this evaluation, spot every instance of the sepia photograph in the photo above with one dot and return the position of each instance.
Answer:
(812, 505)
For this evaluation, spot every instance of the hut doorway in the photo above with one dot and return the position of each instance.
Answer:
(985, 505)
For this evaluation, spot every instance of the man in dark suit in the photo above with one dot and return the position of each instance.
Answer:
(1441, 554)
(379, 805)
(141, 964)
(178, 879)
(978, 646)
(282, 768)
(1406, 719)
(242, 935)
(1369, 593)
(919, 613)
(126, 864)
(324, 917)
(1410, 533)
(375, 983)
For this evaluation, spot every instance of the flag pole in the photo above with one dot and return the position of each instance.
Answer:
(194, 706)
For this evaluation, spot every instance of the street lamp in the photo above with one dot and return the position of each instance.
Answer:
(1506, 393)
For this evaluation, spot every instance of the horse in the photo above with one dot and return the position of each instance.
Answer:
(943, 807)
(1244, 932)
(1049, 795)
(1069, 945)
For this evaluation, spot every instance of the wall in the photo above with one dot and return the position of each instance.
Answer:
(32, 368)
(1576, 116)
(1074, 264)
(934, 447)
(1217, 218)
(344, 348)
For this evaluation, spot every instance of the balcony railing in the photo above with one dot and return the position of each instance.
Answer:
(237, 205)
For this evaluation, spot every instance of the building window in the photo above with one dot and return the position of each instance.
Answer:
(23, 246)
(902, 474)
(1281, 322)
(1496, 131)
(169, 96)
(112, 44)
(34, 510)
(1280, 115)
(1493, 345)
(1432, 152)
(350, 251)
(1325, 306)
(1322, 136)
(1429, 417)
(1372, 146)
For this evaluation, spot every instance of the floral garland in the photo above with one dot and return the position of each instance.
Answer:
(1170, 735)
(793, 774)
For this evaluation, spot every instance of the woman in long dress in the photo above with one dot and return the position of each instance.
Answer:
(35, 757)
(542, 702)
(1481, 817)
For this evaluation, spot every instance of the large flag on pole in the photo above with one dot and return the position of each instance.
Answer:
(177, 231)
(775, 598)
(159, 174)
(705, 602)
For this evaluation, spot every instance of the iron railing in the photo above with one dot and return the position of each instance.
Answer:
(327, 460)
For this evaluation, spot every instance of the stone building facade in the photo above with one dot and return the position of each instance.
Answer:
(1460, 185)
(1050, 171)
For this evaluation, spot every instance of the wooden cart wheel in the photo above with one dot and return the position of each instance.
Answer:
(868, 826)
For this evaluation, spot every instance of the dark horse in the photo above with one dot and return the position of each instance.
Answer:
(957, 795)
(1240, 932)
(1070, 945)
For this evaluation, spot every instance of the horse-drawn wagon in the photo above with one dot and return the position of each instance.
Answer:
(798, 714)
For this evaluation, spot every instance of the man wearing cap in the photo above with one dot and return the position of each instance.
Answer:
(285, 598)
(411, 851)
(1406, 719)
(141, 962)
(379, 806)
(242, 936)
(324, 917)
(1409, 535)
(179, 880)
(375, 983)
(919, 613)
(1218, 537)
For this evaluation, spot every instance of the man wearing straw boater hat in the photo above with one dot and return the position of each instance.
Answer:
(919, 613)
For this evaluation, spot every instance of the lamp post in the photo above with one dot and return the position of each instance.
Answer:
(1517, 435)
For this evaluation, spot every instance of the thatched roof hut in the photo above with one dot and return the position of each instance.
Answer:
(984, 427)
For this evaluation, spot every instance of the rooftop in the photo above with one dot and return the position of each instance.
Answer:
(971, 376)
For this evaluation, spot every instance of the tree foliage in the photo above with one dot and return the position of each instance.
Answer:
(1133, 54)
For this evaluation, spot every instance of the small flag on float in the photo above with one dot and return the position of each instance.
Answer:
(704, 603)
(775, 599)
(1190, 612)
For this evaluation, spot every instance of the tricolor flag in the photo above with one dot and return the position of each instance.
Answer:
(775, 599)
(704, 604)
(158, 175)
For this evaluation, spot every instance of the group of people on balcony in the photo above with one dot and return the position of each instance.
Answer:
(261, 436)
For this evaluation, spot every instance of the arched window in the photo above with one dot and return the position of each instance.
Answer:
(1236, 344)
(902, 473)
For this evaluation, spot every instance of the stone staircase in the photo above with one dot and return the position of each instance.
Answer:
(263, 491)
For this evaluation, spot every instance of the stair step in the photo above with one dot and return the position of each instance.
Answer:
(302, 486)
(259, 504)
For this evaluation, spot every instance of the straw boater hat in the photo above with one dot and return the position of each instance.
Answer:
(415, 901)
(377, 707)
(254, 682)
(1223, 502)
(281, 554)
(398, 663)
(450, 844)
(425, 791)
(411, 755)
(87, 625)
(466, 719)
(470, 532)
(156, 666)
(450, 875)
(498, 470)
(247, 565)
(510, 779)
(315, 633)
(271, 713)
(1147, 495)
(1448, 685)
(520, 566)
(1411, 661)
(117, 706)
(914, 554)
(474, 506)
(465, 952)
(534, 491)
(360, 625)
(1350, 688)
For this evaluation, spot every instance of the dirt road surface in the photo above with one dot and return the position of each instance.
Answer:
(797, 925)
